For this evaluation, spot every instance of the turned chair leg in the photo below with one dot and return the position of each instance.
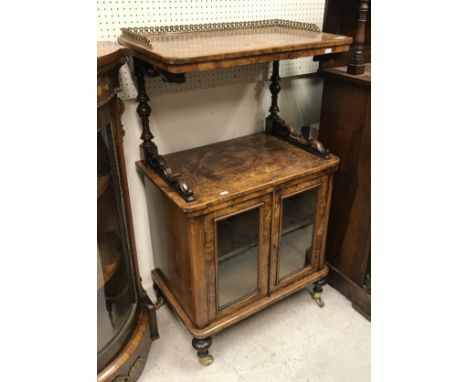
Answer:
(159, 296)
(202, 346)
(316, 294)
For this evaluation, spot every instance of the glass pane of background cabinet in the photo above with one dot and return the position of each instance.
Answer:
(297, 225)
(114, 298)
(238, 250)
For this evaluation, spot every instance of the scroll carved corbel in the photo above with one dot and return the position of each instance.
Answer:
(275, 125)
(149, 149)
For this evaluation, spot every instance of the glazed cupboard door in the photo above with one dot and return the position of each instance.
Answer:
(240, 252)
(299, 226)
(116, 294)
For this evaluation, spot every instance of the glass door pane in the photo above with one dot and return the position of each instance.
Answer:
(237, 239)
(297, 225)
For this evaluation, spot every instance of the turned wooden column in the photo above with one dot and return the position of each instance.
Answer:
(356, 65)
(149, 149)
(144, 111)
(275, 88)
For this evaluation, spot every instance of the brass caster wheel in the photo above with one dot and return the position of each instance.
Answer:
(159, 297)
(207, 360)
(160, 302)
(318, 300)
(202, 346)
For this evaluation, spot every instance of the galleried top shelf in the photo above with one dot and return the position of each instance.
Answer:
(193, 48)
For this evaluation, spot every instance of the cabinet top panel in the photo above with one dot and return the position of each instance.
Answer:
(190, 48)
(109, 52)
(237, 167)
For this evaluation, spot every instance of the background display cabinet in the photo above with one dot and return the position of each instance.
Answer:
(345, 128)
(126, 319)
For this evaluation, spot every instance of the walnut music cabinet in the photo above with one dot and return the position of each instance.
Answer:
(126, 318)
(245, 220)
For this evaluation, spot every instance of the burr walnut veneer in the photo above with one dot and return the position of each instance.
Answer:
(255, 235)
(244, 221)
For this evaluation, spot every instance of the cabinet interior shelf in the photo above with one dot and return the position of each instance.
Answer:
(110, 252)
(103, 182)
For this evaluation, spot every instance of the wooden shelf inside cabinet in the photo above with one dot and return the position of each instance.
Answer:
(226, 170)
(103, 182)
(193, 48)
(110, 253)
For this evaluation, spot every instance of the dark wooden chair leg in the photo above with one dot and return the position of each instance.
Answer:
(317, 291)
(202, 346)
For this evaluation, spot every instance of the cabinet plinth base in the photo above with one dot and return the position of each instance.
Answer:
(231, 319)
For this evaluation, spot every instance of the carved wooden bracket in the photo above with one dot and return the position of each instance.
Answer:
(149, 149)
(276, 126)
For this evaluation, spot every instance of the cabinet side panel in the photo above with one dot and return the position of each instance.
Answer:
(345, 129)
(171, 245)
(201, 269)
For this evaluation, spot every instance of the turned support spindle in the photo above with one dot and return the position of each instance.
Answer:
(149, 149)
(144, 111)
(356, 65)
(275, 88)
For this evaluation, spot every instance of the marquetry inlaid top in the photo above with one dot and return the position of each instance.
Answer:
(229, 169)
(204, 50)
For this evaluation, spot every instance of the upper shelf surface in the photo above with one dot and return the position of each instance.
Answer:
(216, 47)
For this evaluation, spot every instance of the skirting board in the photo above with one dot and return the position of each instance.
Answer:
(359, 297)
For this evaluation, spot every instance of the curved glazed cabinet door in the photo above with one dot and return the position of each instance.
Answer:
(116, 295)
